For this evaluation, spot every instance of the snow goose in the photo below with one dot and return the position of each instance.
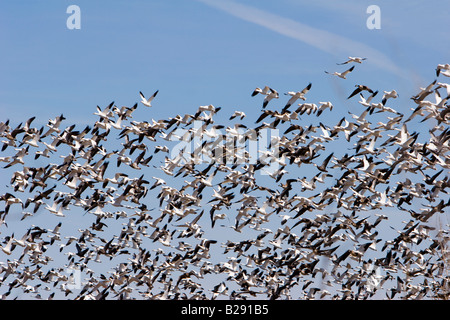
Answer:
(342, 75)
(353, 59)
(147, 102)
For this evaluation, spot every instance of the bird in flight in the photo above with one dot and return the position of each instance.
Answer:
(264, 91)
(445, 67)
(352, 59)
(297, 95)
(360, 88)
(268, 92)
(341, 74)
(147, 102)
(388, 95)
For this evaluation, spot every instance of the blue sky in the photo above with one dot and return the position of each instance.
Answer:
(203, 52)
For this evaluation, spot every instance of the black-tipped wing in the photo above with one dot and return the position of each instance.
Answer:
(308, 87)
(348, 71)
(357, 90)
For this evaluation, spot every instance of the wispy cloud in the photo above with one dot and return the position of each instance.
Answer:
(321, 39)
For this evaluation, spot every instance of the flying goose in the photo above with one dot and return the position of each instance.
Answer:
(237, 114)
(297, 95)
(353, 59)
(445, 67)
(388, 95)
(147, 102)
(360, 88)
(266, 90)
(323, 106)
(9, 247)
(342, 75)
(273, 94)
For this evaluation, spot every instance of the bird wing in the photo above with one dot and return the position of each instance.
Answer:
(339, 64)
(153, 96)
(348, 71)
(308, 87)
(357, 90)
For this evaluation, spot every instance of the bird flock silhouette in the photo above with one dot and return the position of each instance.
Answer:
(356, 209)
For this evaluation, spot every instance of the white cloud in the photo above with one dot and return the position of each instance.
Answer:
(321, 39)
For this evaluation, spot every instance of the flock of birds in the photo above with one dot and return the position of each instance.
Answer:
(325, 229)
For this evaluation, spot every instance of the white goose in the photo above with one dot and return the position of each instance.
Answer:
(147, 102)
(389, 95)
(353, 59)
(445, 67)
(342, 75)
(8, 247)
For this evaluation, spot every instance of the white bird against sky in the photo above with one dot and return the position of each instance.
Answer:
(148, 101)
